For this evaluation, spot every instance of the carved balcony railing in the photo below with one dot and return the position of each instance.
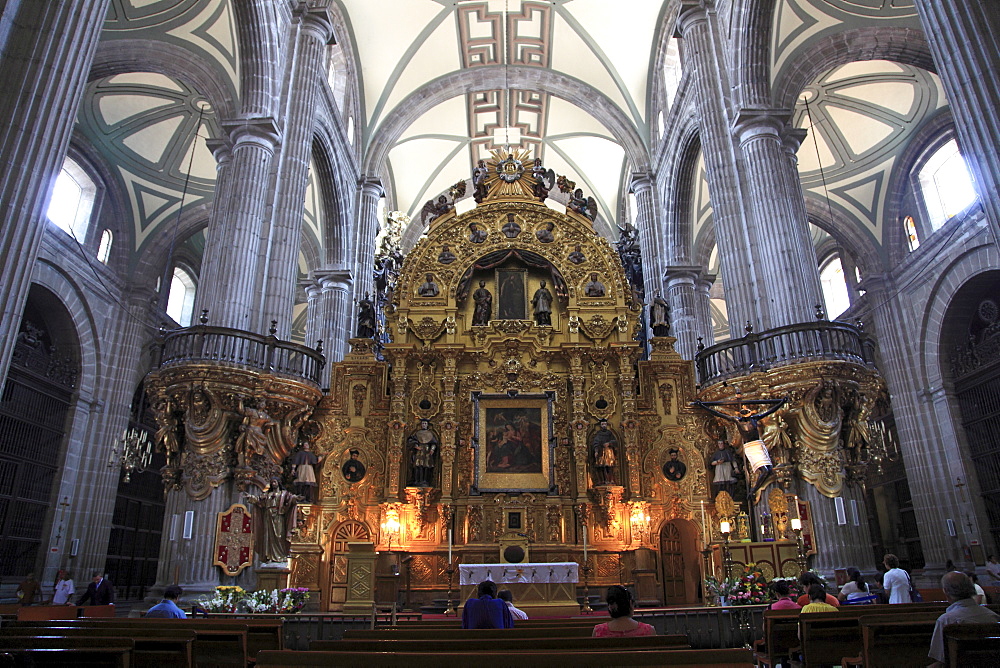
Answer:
(792, 344)
(236, 347)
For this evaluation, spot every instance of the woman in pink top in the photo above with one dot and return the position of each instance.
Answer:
(620, 604)
(784, 595)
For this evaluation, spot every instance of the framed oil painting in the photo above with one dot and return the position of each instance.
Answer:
(513, 436)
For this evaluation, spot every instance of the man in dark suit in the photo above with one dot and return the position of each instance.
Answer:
(99, 592)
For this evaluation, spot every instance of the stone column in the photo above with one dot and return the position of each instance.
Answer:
(684, 321)
(783, 250)
(650, 231)
(707, 66)
(235, 232)
(44, 66)
(703, 308)
(209, 278)
(840, 545)
(963, 35)
(330, 314)
(307, 75)
(364, 239)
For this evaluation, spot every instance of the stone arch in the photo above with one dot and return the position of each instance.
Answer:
(150, 263)
(336, 238)
(901, 45)
(257, 29)
(475, 79)
(854, 240)
(679, 183)
(753, 21)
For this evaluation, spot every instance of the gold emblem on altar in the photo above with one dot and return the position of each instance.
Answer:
(234, 540)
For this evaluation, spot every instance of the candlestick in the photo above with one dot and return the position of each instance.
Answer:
(449, 546)
(584, 543)
(724, 527)
(704, 526)
(796, 524)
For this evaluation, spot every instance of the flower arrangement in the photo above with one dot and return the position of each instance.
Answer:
(750, 588)
(236, 599)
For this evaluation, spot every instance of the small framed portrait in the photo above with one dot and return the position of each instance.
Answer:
(674, 469)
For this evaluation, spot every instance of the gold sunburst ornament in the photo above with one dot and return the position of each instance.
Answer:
(509, 175)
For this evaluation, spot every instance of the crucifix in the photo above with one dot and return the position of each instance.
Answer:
(63, 506)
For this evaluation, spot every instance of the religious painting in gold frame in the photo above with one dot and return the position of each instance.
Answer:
(513, 436)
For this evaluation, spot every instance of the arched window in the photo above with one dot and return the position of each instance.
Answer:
(834, 284)
(104, 250)
(910, 227)
(945, 184)
(72, 200)
(180, 302)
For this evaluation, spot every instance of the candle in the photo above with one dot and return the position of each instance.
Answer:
(584, 543)
(796, 524)
(724, 527)
(449, 546)
(704, 526)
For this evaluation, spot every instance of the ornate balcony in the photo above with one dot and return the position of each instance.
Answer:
(783, 346)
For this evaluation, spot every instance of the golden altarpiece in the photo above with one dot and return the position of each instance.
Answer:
(513, 407)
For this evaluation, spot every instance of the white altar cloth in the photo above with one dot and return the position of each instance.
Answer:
(563, 571)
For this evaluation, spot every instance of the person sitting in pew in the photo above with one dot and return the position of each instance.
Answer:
(507, 597)
(817, 602)
(963, 610)
(620, 605)
(807, 580)
(487, 611)
(168, 608)
(980, 597)
(855, 588)
(783, 593)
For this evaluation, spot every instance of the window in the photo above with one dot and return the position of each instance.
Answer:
(104, 250)
(834, 284)
(72, 200)
(910, 226)
(180, 302)
(945, 184)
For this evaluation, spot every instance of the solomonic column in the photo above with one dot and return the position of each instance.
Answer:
(784, 254)
(963, 36)
(314, 33)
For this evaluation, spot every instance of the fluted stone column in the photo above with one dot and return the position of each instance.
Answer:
(925, 425)
(209, 276)
(330, 314)
(707, 66)
(234, 232)
(650, 231)
(364, 239)
(840, 545)
(682, 298)
(782, 248)
(314, 33)
(703, 308)
(963, 36)
(44, 67)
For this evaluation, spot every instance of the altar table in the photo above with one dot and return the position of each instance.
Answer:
(540, 589)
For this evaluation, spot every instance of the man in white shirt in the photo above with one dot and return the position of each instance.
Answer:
(963, 610)
(505, 596)
(896, 581)
(993, 568)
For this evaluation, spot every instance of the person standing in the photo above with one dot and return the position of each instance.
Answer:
(64, 588)
(963, 610)
(168, 608)
(487, 611)
(993, 568)
(896, 581)
(99, 592)
(27, 591)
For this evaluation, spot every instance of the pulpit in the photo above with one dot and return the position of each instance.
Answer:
(540, 589)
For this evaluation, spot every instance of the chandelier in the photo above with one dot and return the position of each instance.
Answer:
(133, 453)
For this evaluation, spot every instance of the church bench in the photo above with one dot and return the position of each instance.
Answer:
(216, 643)
(433, 644)
(781, 633)
(707, 658)
(887, 643)
(151, 646)
(972, 645)
(45, 612)
(458, 634)
(67, 651)
(535, 622)
(98, 611)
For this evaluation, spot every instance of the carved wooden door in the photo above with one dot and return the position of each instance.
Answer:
(672, 565)
(350, 531)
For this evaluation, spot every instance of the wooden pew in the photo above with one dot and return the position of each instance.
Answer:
(888, 641)
(532, 623)
(458, 634)
(781, 634)
(972, 645)
(475, 645)
(161, 647)
(217, 643)
(707, 658)
(45, 612)
(69, 652)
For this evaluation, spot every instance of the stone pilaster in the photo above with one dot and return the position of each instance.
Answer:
(364, 240)
(44, 73)
(705, 62)
(963, 35)
(314, 32)
(783, 250)
(684, 321)
(236, 241)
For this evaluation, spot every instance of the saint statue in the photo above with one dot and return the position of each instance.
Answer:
(484, 305)
(541, 302)
(423, 446)
(252, 437)
(594, 288)
(366, 318)
(747, 423)
(477, 234)
(576, 256)
(479, 175)
(446, 256)
(429, 288)
(602, 445)
(274, 521)
(304, 463)
(544, 234)
(724, 465)
(659, 313)
(511, 228)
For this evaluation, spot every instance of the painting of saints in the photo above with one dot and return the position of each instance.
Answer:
(513, 440)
